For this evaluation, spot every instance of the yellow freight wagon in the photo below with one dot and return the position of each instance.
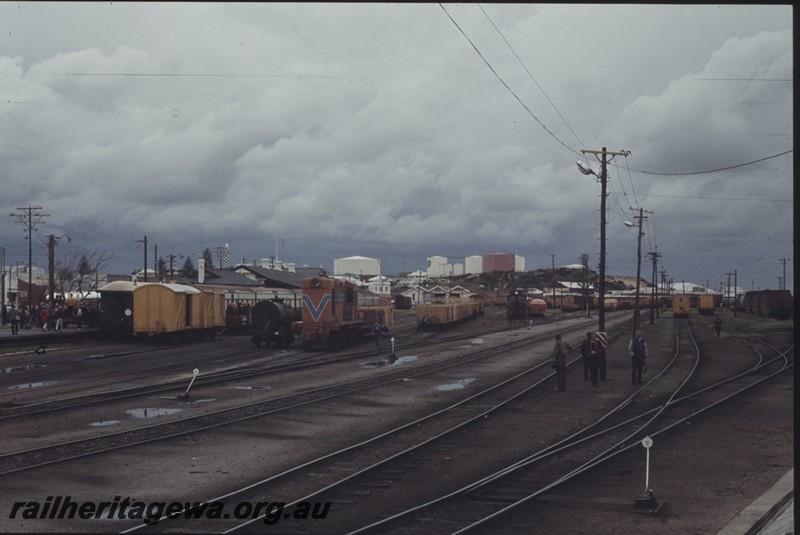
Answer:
(680, 306)
(153, 309)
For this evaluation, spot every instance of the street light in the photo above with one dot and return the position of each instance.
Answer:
(585, 169)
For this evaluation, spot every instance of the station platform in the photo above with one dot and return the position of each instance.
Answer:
(35, 335)
(771, 514)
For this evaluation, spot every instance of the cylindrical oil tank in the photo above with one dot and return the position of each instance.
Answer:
(276, 313)
(537, 307)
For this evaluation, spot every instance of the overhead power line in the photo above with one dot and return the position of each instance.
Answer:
(710, 170)
(505, 84)
(564, 144)
(717, 198)
(530, 75)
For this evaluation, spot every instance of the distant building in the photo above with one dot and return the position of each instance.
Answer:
(380, 285)
(499, 262)
(359, 266)
(440, 266)
(474, 265)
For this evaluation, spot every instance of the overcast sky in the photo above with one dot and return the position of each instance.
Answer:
(401, 131)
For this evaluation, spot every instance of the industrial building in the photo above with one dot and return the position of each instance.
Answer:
(358, 266)
(440, 266)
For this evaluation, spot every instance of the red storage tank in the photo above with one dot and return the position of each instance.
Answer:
(498, 262)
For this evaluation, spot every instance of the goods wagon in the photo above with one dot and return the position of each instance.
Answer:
(570, 303)
(372, 314)
(402, 302)
(156, 309)
(777, 304)
(272, 322)
(437, 316)
(610, 304)
(680, 306)
(629, 301)
(706, 304)
(537, 307)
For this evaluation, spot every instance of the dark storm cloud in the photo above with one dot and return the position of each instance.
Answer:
(377, 130)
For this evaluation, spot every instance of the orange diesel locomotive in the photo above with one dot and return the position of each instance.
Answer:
(331, 317)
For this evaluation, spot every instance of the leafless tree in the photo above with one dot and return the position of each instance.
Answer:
(78, 271)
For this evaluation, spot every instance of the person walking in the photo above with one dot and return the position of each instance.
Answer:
(44, 318)
(637, 349)
(585, 351)
(718, 325)
(560, 350)
(58, 314)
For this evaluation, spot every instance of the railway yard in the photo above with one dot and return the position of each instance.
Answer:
(443, 432)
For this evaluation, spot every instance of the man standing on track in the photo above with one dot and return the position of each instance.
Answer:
(560, 350)
(637, 349)
(597, 354)
(378, 331)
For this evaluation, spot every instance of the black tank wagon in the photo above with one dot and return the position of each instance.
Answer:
(271, 322)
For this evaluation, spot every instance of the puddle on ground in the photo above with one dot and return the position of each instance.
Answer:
(151, 412)
(389, 361)
(25, 368)
(37, 384)
(252, 387)
(476, 341)
(458, 385)
(105, 423)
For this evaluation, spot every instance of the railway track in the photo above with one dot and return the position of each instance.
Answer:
(100, 391)
(477, 506)
(16, 461)
(485, 499)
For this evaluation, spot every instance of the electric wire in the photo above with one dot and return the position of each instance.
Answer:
(712, 170)
(530, 75)
(530, 112)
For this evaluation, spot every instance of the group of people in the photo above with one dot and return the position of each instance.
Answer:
(51, 316)
(593, 355)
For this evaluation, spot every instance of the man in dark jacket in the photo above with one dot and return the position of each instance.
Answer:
(560, 350)
(637, 349)
(596, 355)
